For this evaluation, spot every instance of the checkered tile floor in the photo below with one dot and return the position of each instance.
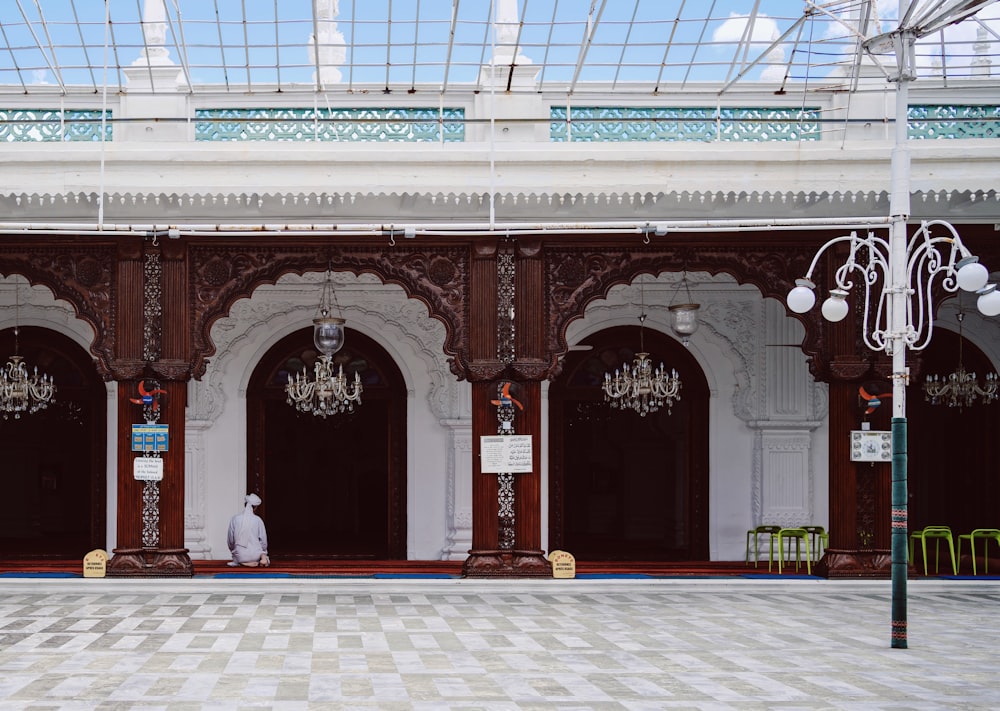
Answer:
(497, 644)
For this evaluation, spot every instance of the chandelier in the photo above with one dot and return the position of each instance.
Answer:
(328, 391)
(640, 387)
(19, 391)
(960, 388)
(683, 317)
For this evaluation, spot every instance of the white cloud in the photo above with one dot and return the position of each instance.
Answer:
(765, 30)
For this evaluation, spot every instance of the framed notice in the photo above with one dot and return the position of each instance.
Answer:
(505, 453)
(871, 446)
(150, 438)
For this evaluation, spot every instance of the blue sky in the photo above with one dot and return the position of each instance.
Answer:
(629, 44)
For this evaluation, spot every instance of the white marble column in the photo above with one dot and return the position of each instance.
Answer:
(459, 509)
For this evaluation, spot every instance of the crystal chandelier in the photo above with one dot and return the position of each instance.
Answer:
(639, 387)
(19, 391)
(328, 392)
(960, 388)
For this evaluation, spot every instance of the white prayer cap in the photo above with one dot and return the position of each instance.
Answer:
(253, 499)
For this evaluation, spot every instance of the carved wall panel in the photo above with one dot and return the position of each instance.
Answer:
(436, 275)
(81, 274)
(786, 485)
(577, 275)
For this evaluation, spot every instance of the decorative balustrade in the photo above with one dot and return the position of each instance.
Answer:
(584, 124)
(747, 125)
(953, 121)
(413, 125)
(34, 125)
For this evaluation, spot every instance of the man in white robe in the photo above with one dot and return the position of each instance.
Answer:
(247, 536)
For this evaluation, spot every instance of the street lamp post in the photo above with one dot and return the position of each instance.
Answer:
(902, 272)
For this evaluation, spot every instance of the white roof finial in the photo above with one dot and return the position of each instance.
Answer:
(154, 35)
(508, 30)
(327, 50)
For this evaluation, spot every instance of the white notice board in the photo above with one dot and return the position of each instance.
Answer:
(147, 469)
(505, 453)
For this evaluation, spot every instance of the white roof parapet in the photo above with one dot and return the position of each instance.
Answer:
(530, 169)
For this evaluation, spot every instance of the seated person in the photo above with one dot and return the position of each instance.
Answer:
(247, 536)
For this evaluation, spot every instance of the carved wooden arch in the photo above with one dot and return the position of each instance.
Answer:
(222, 273)
(81, 274)
(577, 275)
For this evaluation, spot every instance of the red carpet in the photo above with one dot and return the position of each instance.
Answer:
(410, 567)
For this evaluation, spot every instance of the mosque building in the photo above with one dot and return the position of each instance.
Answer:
(506, 217)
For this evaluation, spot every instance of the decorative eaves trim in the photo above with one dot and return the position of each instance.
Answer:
(390, 207)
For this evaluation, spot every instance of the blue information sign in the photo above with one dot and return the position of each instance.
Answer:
(150, 438)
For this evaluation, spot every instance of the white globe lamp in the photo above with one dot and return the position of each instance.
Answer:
(972, 276)
(835, 308)
(989, 301)
(802, 297)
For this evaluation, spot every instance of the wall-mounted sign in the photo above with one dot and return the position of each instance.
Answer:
(505, 453)
(147, 469)
(871, 446)
(150, 438)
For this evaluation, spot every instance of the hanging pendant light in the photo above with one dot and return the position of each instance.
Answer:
(684, 317)
(640, 387)
(959, 388)
(19, 390)
(327, 392)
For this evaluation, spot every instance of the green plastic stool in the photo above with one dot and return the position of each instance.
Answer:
(938, 533)
(753, 533)
(985, 534)
(801, 537)
(819, 540)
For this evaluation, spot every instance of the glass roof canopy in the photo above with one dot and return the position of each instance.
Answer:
(76, 47)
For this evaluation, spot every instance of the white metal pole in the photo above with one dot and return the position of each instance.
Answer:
(899, 209)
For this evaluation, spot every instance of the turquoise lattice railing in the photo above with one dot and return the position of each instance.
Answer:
(610, 124)
(33, 125)
(956, 121)
(361, 125)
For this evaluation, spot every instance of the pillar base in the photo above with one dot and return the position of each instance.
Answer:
(506, 564)
(150, 563)
(865, 563)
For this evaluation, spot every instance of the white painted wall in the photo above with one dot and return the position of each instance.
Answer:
(383, 312)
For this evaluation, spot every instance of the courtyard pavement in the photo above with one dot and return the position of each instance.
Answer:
(345, 643)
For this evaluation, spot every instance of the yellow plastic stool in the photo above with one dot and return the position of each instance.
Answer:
(753, 533)
(937, 533)
(985, 534)
(801, 537)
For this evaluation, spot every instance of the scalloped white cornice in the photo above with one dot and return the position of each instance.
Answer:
(390, 207)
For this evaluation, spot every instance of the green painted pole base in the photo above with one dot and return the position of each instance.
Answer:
(899, 532)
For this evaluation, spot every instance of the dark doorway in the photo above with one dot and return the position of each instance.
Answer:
(334, 487)
(623, 486)
(952, 452)
(54, 472)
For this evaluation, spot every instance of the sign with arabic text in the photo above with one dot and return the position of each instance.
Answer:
(505, 453)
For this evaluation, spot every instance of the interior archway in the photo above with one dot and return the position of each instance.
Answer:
(951, 451)
(334, 487)
(54, 460)
(623, 486)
